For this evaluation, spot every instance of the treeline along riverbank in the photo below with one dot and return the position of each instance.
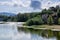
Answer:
(46, 16)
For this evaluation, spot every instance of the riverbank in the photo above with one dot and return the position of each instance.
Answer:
(44, 27)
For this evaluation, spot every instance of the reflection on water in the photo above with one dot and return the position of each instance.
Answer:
(41, 34)
(10, 32)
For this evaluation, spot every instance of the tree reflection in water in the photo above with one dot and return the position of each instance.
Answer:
(43, 33)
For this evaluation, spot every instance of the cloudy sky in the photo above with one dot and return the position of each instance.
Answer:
(16, 6)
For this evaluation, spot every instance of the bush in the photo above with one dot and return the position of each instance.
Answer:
(34, 21)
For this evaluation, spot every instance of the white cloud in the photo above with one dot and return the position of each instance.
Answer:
(23, 3)
(48, 3)
(6, 3)
(26, 3)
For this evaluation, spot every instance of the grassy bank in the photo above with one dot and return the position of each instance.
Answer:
(45, 27)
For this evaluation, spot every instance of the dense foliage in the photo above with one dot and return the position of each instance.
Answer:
(46, 16)
(35, 21)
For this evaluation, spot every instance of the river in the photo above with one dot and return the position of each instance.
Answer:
(11, 32)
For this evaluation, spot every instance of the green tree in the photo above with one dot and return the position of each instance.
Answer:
(59, 21)
(29, 22)
(35, 21)
(50, 20)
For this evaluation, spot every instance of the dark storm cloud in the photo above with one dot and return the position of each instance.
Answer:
(35, 4)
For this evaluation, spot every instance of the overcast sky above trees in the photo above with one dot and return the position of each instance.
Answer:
(16, 6)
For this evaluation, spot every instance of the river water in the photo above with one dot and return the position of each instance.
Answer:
(11, 32)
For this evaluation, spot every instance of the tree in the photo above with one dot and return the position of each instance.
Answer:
(53, 9)
(29, 22)
(59, 21)
(35, 21)
(50, 20)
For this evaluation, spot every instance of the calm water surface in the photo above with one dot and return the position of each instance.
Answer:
(11, 32)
